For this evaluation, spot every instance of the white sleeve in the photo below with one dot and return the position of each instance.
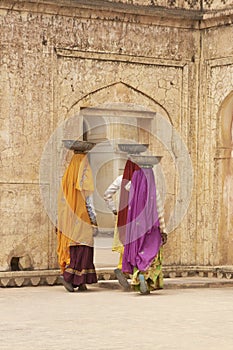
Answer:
(160, 212)
(91, 209)
(127, 187)
(110, 191)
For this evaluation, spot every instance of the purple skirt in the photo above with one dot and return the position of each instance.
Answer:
(81, 269)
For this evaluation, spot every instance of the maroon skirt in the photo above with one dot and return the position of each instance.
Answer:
(81, 269)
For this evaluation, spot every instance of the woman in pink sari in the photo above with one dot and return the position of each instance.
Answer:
(145, 233)
(120, 183)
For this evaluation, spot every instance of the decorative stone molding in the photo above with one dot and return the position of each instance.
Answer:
(208, 3)
(200, 271)
(51, 277)
(192, 3)
(29, 278)
(103, 56)
(172, 3)
(118, 5)
(216, 4)
(117, 9)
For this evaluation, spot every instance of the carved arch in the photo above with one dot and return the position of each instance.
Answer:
(225, 117)
(118, 92)
(223, 180)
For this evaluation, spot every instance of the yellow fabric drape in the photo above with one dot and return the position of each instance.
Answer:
(153, 275)
(74, 225)
(117, 246)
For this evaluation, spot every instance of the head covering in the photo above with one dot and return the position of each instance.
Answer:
(143, 239)
(77, 184)
(129, 169)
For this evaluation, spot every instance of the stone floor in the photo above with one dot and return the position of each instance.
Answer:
(191, 313)
(180, 317)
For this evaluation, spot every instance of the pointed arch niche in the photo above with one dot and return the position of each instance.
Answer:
(224, 182)
(114, 114)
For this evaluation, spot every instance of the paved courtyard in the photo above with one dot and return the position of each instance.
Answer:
(46, 318)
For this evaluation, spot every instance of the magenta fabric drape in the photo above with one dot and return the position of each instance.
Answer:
(143, 239)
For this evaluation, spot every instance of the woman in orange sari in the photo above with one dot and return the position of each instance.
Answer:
(76, 225)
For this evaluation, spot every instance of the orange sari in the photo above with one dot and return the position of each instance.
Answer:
(74, 226)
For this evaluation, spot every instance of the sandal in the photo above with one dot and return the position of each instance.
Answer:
(68, 286)
(122, 279)
(143, 285)
(82, 288)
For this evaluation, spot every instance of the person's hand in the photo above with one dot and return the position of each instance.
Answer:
(114, 212)
(95, 231)
(164, 238)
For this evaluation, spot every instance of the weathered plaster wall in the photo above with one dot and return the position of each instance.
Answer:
(183, 4)
(215, 228)
(26, 124)
(55, 60)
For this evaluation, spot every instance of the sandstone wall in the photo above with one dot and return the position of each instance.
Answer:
(58, 57)
(215, 150)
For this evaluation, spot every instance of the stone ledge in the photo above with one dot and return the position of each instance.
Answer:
(185, 16)
(196, 282)
(179, 283)
(208, 275)
(201, 271)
